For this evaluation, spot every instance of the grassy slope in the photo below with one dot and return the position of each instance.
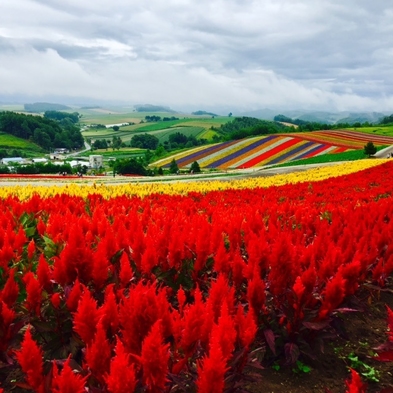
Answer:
(8, 141)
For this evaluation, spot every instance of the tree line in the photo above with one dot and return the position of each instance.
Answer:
(304, 125)
(43, 131)
(244, 127)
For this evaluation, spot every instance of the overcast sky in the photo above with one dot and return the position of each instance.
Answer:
(205, 54)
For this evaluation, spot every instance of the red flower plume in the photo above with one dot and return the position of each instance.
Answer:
(67, 381)
(121, 378)
(211, 371)
(86, 317)
(30, 359)
(355, 385)
(98, 354)
(154, 359)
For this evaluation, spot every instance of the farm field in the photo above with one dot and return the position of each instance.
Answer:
(196, 127)
(190, 287)
(274, 149)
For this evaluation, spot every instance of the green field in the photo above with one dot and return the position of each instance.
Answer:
(8, 141)
(121, 153)
(379, 130)
(198, 127)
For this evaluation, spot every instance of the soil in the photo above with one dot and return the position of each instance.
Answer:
(360, 334)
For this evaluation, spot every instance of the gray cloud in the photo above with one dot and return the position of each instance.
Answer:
(243, 54)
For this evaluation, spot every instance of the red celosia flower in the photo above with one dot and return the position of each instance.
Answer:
(125, 274)
(41, 227)
(138, 313)
(154, 359)
(246, 327)
(355, 385)
(121, 378)
(44, 273)
(256, 292)
(109, 311)
(30, 359)
(224, 333)
(211, 371)
(192, 322)
(351, 272)
(86, 317)
(220, 291)
(34, 293)
(98, 354)
(55, 300)
(74, 296)
(30, 249)
(7, 315)
(11, 290)
(67, 381)
(221, 259)
(20, 239)
(333, 295)
(298, 289)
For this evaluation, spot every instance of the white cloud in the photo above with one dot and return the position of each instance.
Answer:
(329, 54)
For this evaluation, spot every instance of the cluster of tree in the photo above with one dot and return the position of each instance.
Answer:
(45, 132)
(99, 126)
(304, 125)
(61, 116)
(39, 107)
(387, 120)
(201, 113)
(153, 108)
(178, 140)
(115, 143)
(286, 119)
(243, 127)
(152, 118)
(38, 168)
(130, 166)
(144, 141)
(174, 168)
(158, 118)
(11, 153)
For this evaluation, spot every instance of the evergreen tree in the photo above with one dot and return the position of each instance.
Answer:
(173, 167)
(370, 149)
(195, 168)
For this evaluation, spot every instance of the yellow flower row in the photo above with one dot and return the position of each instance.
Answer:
(183, 188)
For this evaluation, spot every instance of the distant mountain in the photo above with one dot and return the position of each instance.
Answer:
(318, 116)
(200, 113)
(264, 114)
(371, 117)
(153, 108)
(39, 107)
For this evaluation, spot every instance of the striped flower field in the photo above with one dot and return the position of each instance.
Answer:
(274, 149)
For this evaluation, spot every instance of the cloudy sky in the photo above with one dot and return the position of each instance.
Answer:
(205, 54)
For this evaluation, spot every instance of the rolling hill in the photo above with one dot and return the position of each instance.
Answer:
(273, 149)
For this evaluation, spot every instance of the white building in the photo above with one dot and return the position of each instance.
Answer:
(96, 161)
(40, 160)
(12, 160)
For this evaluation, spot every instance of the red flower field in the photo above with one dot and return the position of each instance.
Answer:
(188, 293)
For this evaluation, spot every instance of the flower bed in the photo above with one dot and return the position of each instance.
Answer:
(183, 292)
